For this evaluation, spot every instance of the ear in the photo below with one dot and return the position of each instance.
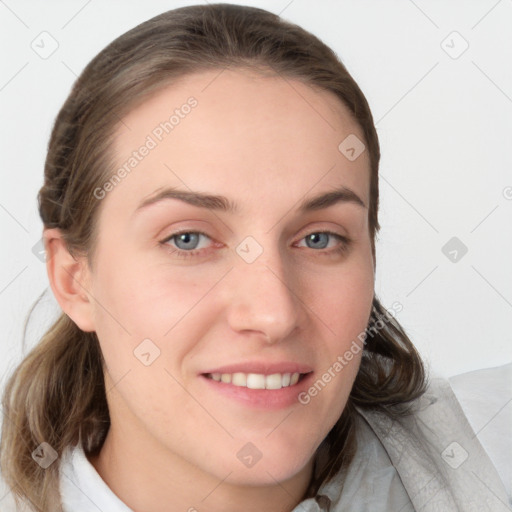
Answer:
(69, 279)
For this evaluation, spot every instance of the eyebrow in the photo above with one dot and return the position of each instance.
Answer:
(223, 204)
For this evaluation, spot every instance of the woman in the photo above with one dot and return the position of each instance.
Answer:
(210, 210)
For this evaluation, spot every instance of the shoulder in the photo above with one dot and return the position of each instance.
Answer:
(437, 453)
(486, 397)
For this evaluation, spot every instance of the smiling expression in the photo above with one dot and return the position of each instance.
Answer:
(238, 245)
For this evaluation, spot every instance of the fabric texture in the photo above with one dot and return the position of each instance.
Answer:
(433, 456)
(490, 413)
(82, 489)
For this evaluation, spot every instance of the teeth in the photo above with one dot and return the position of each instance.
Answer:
(239, 379)
(274, 381)
(257, 380)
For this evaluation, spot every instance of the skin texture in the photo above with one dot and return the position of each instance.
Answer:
(266, 143)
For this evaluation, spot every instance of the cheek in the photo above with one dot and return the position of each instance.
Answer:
(136, 295)
(137, 302)
(141, 323)
(345, 306)
(343, 300)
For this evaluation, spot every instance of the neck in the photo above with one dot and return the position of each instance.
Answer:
(164, 482)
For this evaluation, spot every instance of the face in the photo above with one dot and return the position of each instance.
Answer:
(250, 295)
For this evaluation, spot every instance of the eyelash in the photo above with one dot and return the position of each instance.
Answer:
(182, 254)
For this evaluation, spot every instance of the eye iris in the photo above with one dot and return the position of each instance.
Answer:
(314, 238)
(185, 237)
(193, 237)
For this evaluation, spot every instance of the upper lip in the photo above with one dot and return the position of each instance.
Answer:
(261, 367)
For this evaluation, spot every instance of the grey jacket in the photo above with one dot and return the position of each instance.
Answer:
(430, 461)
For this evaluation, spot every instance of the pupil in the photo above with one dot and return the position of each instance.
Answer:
(186, 238)
(314, 237)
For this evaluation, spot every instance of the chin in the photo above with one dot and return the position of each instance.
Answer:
(275, 466)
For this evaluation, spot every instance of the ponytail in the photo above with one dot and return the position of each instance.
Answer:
(55, 396)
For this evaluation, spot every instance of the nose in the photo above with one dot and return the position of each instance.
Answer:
(262, 299)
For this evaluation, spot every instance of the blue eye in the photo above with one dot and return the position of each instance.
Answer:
(187, 239)
(320, 240)
(315, 237)
(186, 243)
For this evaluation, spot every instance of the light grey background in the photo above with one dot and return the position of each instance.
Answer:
(444, 122)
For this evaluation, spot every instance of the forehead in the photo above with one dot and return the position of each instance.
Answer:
(239, 134)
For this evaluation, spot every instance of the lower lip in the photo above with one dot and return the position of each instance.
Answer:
(261, 398)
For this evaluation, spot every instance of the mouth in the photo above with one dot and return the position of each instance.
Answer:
(250, 389)
(272, 381)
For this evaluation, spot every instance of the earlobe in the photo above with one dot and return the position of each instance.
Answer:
(69, 278)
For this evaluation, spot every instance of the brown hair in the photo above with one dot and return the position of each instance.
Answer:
(57, 393)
